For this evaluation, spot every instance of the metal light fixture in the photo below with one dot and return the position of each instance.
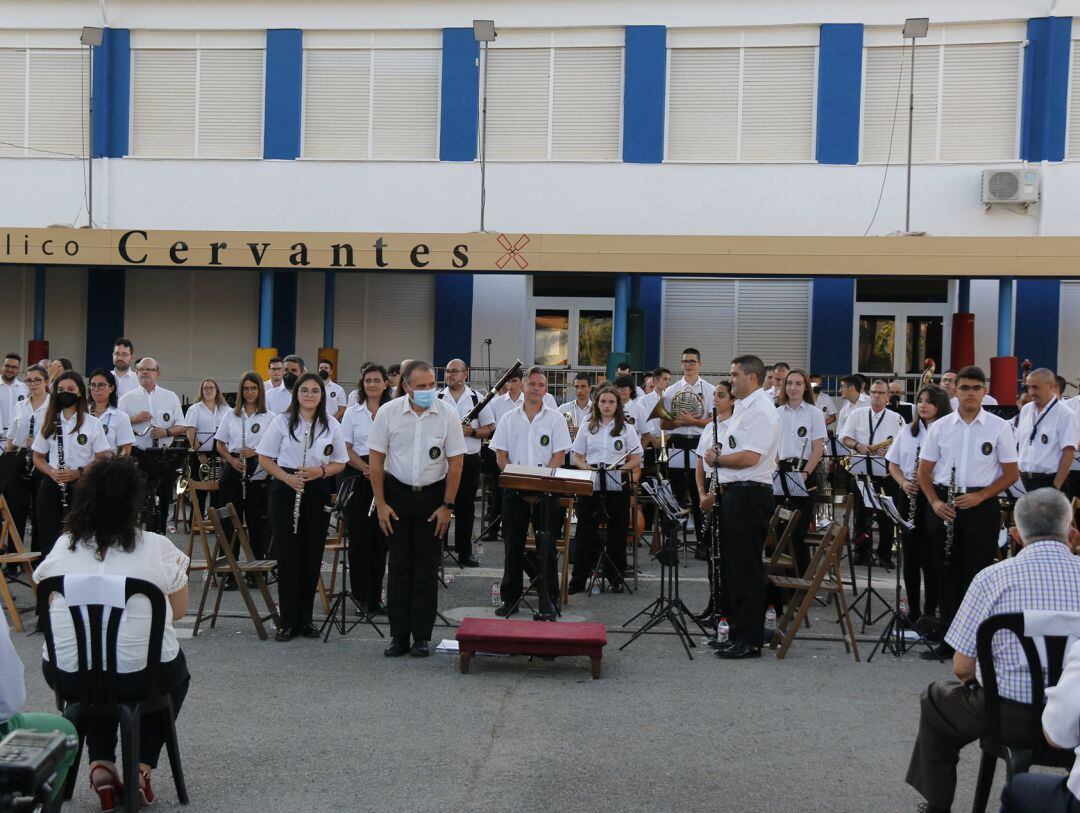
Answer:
(484, 32)
(91, 37)
(914, 28)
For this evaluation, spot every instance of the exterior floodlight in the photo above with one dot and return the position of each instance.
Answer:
(484, 30)
(91, 36)
(916, 27)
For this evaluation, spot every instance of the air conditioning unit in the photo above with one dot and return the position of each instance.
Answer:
(1010, 186)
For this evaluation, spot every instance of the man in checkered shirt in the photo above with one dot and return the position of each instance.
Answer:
(1045, 575)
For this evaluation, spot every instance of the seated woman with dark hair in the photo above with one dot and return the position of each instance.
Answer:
(101, 537)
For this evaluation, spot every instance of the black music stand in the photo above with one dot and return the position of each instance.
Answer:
(158, 463)
(873, 504)
(597, 575)
(336, 618)
(549, 609)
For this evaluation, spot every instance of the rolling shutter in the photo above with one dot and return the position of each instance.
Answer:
(148, 295)
(519, 83)
(17, 294)
(400, 319)
(980, 102)
(778, 104)
(405, 113)
(59, 87)
(703, 104)
(163, 103)
(587, 104)
(1069, 344)
(230, 103)
(12, 101)
(225, 330)
(337, 97)
(65, 314)
(1072, 150)
(349, 321)
(774, 320)
(885, 104)
(699, 313)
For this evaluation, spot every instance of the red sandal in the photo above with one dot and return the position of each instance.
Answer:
(105, 782)
(146, 793)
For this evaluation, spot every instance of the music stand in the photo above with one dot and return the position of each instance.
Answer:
(603, 556)
(336, 618)
(873, 504)
(668, 606)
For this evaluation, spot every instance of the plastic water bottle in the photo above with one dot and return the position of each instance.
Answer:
(496, 594)
(770, 617)
(449, 579)
(903, 606)
(722, 630)
(479, 551)
(595, 591)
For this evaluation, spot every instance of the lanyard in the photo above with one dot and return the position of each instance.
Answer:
(1035, 427)
(874, 426)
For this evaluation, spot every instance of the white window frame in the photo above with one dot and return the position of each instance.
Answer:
(900, 312)
(574, 306)
(51, 41)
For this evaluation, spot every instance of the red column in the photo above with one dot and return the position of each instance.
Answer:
(37, 350)
(963, 340)
(1003, 372)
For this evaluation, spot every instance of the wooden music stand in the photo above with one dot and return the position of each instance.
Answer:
(20, 557)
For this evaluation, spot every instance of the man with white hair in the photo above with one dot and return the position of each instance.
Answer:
(1045, 575)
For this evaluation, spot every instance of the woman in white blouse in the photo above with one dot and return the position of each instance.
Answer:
(115, 424)
(103, 538)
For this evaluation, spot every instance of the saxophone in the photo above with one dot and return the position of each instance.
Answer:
(950, 500)
(300, 493)
(60, 459)
(913, 499)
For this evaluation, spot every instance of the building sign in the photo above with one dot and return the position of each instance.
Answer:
(493, 252)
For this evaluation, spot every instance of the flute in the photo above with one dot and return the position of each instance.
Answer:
(300, 493)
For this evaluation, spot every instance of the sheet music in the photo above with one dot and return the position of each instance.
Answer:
(789, 484)
(893, 513)
(863, 465)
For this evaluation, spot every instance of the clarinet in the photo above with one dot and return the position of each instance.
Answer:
(950, 500)
(300, 493)
(60, 460)
(913, 499)
(30, 455)
(243, 445)
(712, 487)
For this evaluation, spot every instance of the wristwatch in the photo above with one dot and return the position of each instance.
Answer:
(449, 505)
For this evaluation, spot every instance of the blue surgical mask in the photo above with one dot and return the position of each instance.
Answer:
(423, 398)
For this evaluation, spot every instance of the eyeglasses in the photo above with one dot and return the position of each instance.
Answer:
(98, 385)
(35, 380)
(452, 370)
(689, 361)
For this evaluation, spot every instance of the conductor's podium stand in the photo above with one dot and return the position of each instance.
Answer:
(504, 637)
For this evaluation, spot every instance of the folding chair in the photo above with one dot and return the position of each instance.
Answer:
(783, 553)
(335, 544)
(224, 562)
(20, 557)
(822, 576)
(200, 526)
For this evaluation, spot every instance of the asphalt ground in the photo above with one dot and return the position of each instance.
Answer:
(308, 725)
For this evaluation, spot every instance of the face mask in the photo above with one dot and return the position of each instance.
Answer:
(324, 374)
(290, 380)
(423, 398)
(66, 400)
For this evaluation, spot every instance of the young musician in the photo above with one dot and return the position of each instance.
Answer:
(301, 449)
(123, 355)
(276, 370)
(579, 409)
(29, 416)
(243, 482)
(115, 424)
(930, 404)
(973, 454)
(415, 447)
(336, 399)
(1047, 434)
(279, 399)
(632, 408)
(608, 442)
(534, 434)
(201, 424)
(724, 406)
(61, 456)
(12, 391)
(367, 543)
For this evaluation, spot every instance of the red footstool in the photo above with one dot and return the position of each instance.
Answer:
(503, 637)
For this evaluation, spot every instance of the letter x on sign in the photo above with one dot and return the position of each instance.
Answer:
(513, 252)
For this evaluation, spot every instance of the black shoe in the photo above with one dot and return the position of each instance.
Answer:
(373, 610)
(420, 649)
(285, 634)
(396, 649)
(575, 588)
(861, 558)
(701, 554)
(941, 652)
(931, 627)
(616, 587)
(506, 610)
(308, 631)
(738, 651)
(230, 584)
(469, 561)
(886, 562)
(720, 645)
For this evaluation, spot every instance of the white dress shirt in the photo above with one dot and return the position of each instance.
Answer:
(464, 405)
(10, 396)
(80, 445)
(602, 446)
(826, 404)
(685, 458)
(846, 408)
(904, 450)
(799, 428)
(335, 397)
(531, 443)
(27, 422)
(705, 442)
(327, 446)
(162, 404)
(754, 427)
(635, 416)
(987, 400)
(868, 427)
(976, 449)
(648, 402)
(278, 400)
(1043, 435)
(125, 382)
(354, 399)
(579, 414)
(205, 423)
(244, 430)
(501, 404)
(116, 426)
(417, 447)
(356, 426)
(1061, 715)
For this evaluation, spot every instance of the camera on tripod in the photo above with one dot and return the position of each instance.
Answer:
(28, 766)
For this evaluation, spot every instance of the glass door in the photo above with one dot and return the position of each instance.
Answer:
(571, 336)
(924, 340)
(877, 343)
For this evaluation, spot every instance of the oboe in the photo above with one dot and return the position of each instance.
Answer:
(913, 499)
(950, 500)
(711, 488)
(60, 459)
(29, 443)
(300, 493)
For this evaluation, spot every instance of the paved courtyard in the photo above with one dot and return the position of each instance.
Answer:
(308, 725)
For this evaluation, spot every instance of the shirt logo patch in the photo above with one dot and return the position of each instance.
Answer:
(81, 439)
(987, 448)
(1045, 439)
(544, 440)
(802, 432)
(329, 450)
(731, 441)
(165, 417)
(105, 429)
(434, 452)
(20, 397)
(254, 428)
(618, 445)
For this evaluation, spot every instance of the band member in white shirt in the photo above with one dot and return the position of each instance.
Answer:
(367, 543)
(336, 399)
(276, 370)
(607, 442)
(723, 406)
(416, 447)
(851, 397)
(201, 424)
(69, 440)
(123, 355)
(632, 408)
(580, 408)
(1047, 434)
(12, 391)
(279, 400)
(623, 368)
(28, 411)
(780, 372)
(115, 424)
(302, 450)
(825, 403)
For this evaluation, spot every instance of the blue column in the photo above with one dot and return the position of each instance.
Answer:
(39, 303)
(839, 88)
(644, 93)
(453, 318)
(1038, 307)
(622, 304)
(1046, 89)
(963, 295)
(329, 295)
(1005, 317)
(832, 312)
(460, 100)
(284, 83)
(650, 302)
(283, 335)
(112, 95)
(105, 289)
(266, 307)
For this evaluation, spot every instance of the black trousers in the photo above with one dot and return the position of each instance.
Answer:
(919, 567)
(952, 715)
(101, 733)
(1036, 481)
(252, 510)
(49, 515)
(367, 546)
(465, 504)
(1038, 793)
(489, 467)
(589, 514)
(975, 543)
(1072, 484)
(682, 480)
(19, 492)
(517, 514)
(299, 555)
(885, 527)
(161, 482)
(414, 554)
(744, 515)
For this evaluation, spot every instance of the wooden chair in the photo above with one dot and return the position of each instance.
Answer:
(783, 552)
(22, 558)
(822, 576)
(562, 549)
(201, 527)
(335, 544)
(224, 562)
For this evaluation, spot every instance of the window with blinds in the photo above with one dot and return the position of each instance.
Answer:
(44, 107)
(371, 103)
(197, 103)
(559, 104)
(1072, 148)
(741, 104)
(967, 103)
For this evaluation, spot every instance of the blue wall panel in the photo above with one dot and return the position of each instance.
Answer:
(643, 94)
(284, 333)
(453, 317)
(284, 85)
(1035, 332)
(832, 312)
(112, 95)
(650, 293)
(460, 101)
(839, 87)
(105, 314)
(1046, 89)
